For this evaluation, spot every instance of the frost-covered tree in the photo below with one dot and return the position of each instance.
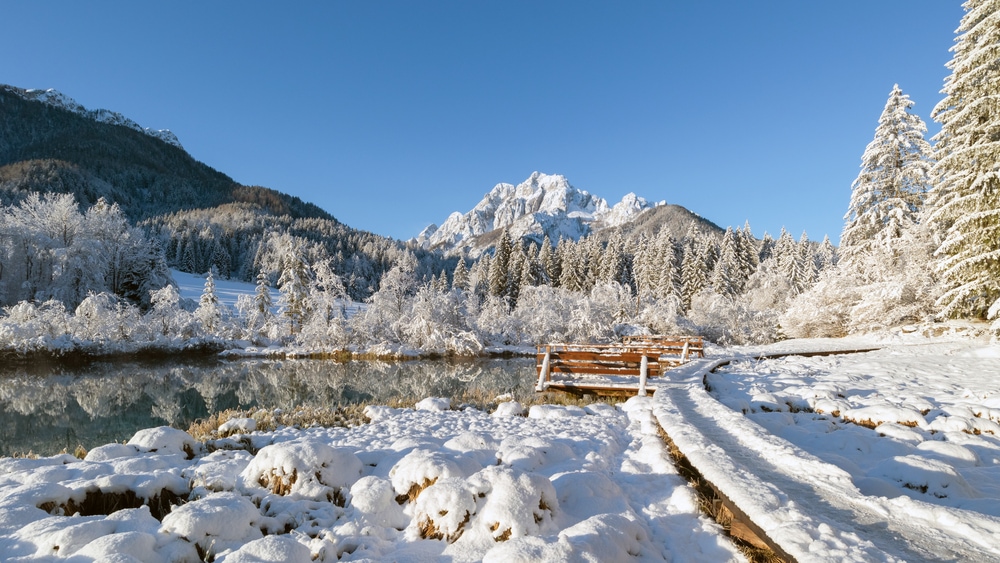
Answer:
(293, 286)
(209, 311)
(727, 276)
(966, 196)
(499, 276)
(889, 192)
(460, 279)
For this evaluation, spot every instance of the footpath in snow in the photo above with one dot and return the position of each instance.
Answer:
(789, 451)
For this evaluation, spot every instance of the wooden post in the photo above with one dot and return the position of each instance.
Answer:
(543, 376)
(684, 353)
(643, 372)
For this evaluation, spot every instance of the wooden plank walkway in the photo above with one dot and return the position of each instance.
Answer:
(613, 369)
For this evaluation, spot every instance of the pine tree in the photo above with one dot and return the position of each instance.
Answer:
(294, 288)
(209, 311)
(888, 193)
(749, 252)
(966, 196)
(727, 273)
(460, 279)
(694, 267)
(500, 266)
(546, 262)
(669, 275)
(827, 255)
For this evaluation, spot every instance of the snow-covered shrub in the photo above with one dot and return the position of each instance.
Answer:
(517, 503)
(822, 311)
(272, 549)
(496, 325)
(374, 501)
(215, 523)
(166, 440)
(436, 321)
(443, 510)
(303, 469)
(420, 469)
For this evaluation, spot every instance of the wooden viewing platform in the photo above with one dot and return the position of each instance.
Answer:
(613, 369)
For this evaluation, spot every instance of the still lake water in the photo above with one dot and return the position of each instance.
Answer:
(49, 406)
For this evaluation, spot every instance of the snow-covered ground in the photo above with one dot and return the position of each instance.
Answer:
(191, 286)
(565, 483)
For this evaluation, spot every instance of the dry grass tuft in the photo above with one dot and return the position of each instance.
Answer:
(415, 490)
(302, 417)
(101, 503)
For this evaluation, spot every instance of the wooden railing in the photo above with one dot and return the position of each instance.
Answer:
(644, 357)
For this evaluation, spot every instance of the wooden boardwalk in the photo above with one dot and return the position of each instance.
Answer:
(613, 369)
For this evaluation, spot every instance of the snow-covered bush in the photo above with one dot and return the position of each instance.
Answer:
(303, 469)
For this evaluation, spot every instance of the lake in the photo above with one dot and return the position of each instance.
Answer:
(47, 406)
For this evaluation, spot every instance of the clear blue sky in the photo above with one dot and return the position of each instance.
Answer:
(392, 114)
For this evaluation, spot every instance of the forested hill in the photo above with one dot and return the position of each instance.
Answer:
(197, 216)
(50, 149)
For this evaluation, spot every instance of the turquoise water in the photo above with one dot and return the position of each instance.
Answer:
(49, 406)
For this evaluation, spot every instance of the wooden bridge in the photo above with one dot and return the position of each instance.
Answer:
(613, 369)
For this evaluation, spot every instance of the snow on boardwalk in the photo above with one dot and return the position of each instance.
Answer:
(810, 507)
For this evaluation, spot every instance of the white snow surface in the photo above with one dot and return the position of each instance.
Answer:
(544, 204)
(57, 99)
(920, 482)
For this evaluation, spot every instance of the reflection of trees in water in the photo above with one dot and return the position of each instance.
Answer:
(100, 402)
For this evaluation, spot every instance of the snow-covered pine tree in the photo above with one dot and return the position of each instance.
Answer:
(889, 192)
(826, 256)
(749, 253)
(293, 285)
(546, 262)
(966, 196)
(209, 312)
(669, 274)
(460, 279)
(612, 264)
(766, 249)
(695, 271)
(500, 265)
(571, 266)
(728, 271)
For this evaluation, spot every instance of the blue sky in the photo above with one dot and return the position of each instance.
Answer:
(391, 115)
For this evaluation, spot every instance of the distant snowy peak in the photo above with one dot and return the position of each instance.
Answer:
(542, 205)
(57, 99)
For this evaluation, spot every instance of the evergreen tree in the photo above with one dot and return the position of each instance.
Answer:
(546, 262)
(500, 266)
(888, 193)
(726, 278)
(209, 311)
(694, 267)
(669, 275)
(748, 251)
(827, 255)
(293, 285)
(766, 250)
(966, 197)
(460, 279)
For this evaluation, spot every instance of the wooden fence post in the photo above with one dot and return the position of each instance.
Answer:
(643, 372)
(543, 376)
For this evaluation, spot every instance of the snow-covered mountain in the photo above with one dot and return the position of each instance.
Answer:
(542, 205)
(57, 99)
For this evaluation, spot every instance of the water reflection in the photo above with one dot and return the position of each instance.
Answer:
(47, 407)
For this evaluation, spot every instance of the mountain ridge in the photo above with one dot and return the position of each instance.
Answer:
(544, 205)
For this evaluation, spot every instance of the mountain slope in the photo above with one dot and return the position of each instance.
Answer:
(548, 205)
(46, 147)
(200, 217)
